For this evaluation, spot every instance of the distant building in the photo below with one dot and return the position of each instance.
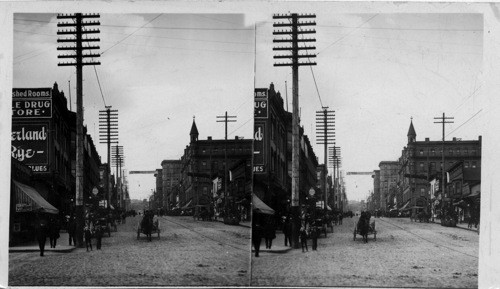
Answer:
(388, 175)
(171, 177)
(420, 161)
(202, 161)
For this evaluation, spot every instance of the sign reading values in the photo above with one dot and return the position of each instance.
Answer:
(30, 144)
(31, 103)
(260, 103)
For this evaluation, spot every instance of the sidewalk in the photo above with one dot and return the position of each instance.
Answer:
(461, 226)
(277, 247)
(61, 246)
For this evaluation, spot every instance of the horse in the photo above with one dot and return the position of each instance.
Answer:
(147, 225)
(364, 226)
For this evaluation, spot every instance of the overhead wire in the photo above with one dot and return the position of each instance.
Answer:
(470, 118)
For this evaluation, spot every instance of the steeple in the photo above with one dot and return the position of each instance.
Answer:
(194, 132)
(412, 135)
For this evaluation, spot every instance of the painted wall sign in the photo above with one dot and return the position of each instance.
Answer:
(30, 144)
(31, 103)
(260, 103)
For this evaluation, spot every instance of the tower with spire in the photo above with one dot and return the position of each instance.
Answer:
(193, 133)
(412, 135)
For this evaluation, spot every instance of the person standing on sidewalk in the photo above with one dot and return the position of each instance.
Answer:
(303, 238)
(72, 230)
(88, 237)
(98, 236)
(314, 237)
(256, 236)
(53, 232)
(269, 233)
(41, 231)
(287, 231)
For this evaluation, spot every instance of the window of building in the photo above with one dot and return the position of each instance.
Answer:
(466, 165)
(465, 151)
(421, 166)
(474, 165)
(203, 151)
(433, 166)
(457, 151)
(421, 152)
(433, 152)
(204, 163)
(422, 191)
(441, 165)
(450, 152)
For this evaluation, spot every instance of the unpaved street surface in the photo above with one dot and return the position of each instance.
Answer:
(187, 253)
(405, 254)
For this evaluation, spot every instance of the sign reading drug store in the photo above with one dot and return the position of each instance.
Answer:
(31, 103)
(260, 117)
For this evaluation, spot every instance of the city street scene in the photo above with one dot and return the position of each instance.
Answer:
(367, 150)
(131, 150)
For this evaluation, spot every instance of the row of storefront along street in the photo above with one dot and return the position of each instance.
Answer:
(413, 184)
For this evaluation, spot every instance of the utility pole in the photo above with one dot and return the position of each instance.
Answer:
(108, 134)
(79, 29)
(118, 161)
(443, 120)
(335, 163)
(225, 118)
(325, 130)
(293, 26)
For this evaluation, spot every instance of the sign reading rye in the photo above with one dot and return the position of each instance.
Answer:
(31, 103)
(30, 144)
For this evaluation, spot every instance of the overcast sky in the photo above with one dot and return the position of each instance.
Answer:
(375, 70)
(379, 70)
(158, 70)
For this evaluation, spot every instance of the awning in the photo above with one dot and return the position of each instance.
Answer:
(260, 207)
(405, 205)
(26, 195)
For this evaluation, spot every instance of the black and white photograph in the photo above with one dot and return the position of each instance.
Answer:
(131, 150)
(249, 144)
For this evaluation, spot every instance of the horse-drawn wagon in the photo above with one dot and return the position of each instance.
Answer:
(148, 226)
(364, 228)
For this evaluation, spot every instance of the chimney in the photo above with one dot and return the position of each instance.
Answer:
(236, 137)
(426, 139)
(454, 139)
(209, 138)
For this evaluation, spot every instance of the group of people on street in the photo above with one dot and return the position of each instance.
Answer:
(97, 231)
(263, 227)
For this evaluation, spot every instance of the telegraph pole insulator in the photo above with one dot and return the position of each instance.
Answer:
(108, 134)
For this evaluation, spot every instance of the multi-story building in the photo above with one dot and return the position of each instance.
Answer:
(159, 200)
(203, 160)
(171, 176)
(388, 175)
(422, 160)
(273, 153)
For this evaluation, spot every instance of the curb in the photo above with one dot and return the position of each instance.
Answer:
(279, 251)
(36, 249)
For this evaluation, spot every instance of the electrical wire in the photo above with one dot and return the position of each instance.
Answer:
(131, 34)
(465, 122)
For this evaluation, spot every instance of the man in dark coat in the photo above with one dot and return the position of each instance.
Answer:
(287, 231)
(88, 237)
(41, 231)
(72, 231)
(53, 232)
(257, 232)
(269, 233)
(98, 236)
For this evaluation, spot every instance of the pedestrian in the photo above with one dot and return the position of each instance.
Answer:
(303, 238)
(287, 231)
(72, 231)
(256, 236)
(98, 236)
(269, 233)
(53, 232)
(88, 237)
(41, 232)
(314, 237)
